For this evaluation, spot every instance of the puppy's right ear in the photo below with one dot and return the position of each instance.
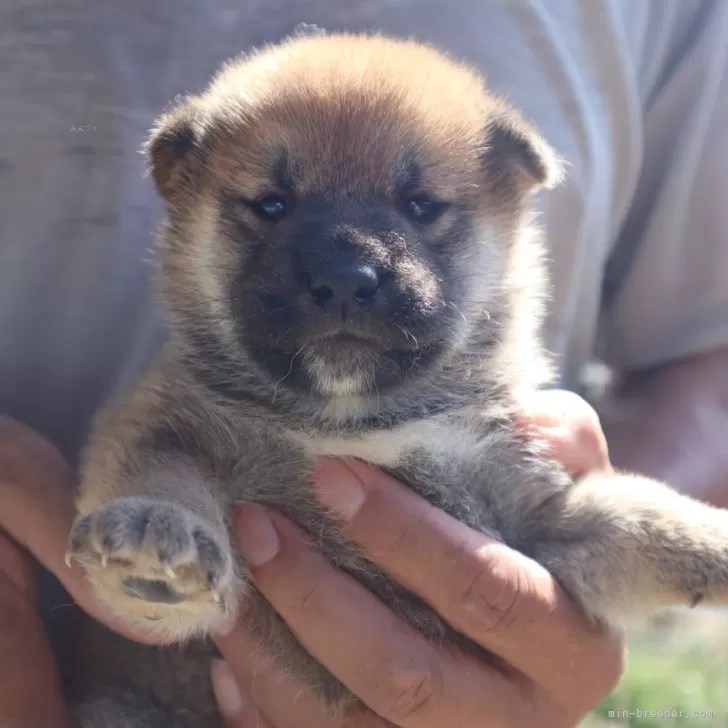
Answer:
(174, 146)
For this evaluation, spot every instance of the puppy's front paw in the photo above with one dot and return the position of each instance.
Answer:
(156, 561)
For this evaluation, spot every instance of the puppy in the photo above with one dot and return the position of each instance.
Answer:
(350, 269)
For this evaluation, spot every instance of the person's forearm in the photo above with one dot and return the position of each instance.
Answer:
(672, 424)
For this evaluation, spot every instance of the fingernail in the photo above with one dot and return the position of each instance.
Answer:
(338, 488)
(256, 536)
(228, 695)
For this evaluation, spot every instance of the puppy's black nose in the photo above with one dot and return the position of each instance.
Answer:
(344, 282)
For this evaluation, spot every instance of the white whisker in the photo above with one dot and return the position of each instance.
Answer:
(286, 375)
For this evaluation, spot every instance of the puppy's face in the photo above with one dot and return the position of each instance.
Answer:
(341, 209)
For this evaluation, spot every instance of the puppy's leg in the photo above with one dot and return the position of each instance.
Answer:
(158, 554)
(623, 544)
(151, 530)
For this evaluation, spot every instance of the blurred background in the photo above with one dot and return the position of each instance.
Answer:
(678, 663)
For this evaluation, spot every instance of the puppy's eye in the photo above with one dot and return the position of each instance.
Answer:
(272, 207)
(424, 209)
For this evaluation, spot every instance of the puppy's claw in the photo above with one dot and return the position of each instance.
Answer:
(68, 559)
(104, 560)
(170, 572)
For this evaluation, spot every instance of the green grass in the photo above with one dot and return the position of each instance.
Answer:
(677, 663)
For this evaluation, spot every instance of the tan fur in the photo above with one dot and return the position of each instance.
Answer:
(347, 131)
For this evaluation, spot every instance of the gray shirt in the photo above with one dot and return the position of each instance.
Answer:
(633, 93)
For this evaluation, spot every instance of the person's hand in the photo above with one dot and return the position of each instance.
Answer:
(30, 694)
(552, 666)
(36, 511)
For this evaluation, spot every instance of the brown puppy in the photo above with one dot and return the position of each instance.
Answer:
(350, 269)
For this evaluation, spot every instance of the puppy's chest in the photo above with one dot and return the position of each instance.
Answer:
(394, 447)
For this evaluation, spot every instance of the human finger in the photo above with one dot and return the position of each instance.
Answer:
(275, 692)
(396, 672)
(235, 710)
(569, 427)
(502, 600)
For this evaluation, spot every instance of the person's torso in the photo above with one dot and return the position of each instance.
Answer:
(84, 81)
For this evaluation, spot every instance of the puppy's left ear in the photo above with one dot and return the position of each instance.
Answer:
(516, 157)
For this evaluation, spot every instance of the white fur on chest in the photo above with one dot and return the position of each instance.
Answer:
(387, 448)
